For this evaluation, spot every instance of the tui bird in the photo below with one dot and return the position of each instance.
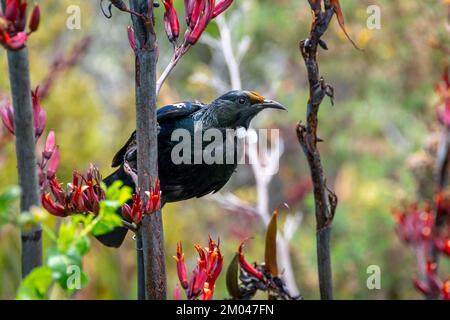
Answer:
(189, 179)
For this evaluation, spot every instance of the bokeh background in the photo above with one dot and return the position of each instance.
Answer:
(384, 114)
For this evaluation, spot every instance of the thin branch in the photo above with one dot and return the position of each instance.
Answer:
(178, 53)
(325, 200)
(130, 226)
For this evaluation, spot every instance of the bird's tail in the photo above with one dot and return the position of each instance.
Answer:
(115, 238)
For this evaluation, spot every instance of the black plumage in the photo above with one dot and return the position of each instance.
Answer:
(182, 181)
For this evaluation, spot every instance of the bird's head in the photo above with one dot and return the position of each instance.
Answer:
(237, 108)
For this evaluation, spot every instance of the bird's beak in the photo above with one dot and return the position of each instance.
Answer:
(270, 104)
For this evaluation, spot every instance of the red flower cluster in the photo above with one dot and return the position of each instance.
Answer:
(137, 210)
(198, 15)
(205, 273)
(133, 213)
(39, 115)
(13, 24)
(417, 228)
(82, 195)
(443, 90)
(414, 226)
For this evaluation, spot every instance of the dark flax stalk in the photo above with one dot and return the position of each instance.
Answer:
(25, 151)
(151, 231)
(325, 199)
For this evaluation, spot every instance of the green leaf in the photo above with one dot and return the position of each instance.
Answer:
(84, 219)
(70, 240)
(271, 245)
(108, 218)
(36, 285)
(113, 191)
(66, 236)
(83, 245)
(118, 192)
(7, 200)
(8, 197)
(76, 280)
(61, 264)
(232, 278)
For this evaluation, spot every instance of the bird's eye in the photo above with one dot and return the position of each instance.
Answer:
(242, 100)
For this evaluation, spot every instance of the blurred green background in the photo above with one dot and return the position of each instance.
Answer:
(384, 113)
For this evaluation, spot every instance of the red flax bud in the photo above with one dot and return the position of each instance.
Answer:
(221, 7)
(197, 282)
(126, 212)
(76, 201)
(12, 10)
(39, 114)
(181, 266)
(171, 22)
(50, 145)
(53, 208)
(154, 198)
(131, 37)
(246, 266)
(21, 19)
(214, 263)
(53, 164)
(188, 9)
(93, 193)
(202, 256)
(193, 9)
(7, 114)
(201, 22)
(35, 18)
(57, 191)
(135, 213)
(177, 292)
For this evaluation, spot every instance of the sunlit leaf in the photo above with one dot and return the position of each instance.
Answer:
(271, 245)
(66, 236)
(62, 263)
(36, 285)
(232, 277)
(118, 192)
(109, 219)
(83, 245)
(7, 199)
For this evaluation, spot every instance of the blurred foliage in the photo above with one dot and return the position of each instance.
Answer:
(63, 264)
(383, 114)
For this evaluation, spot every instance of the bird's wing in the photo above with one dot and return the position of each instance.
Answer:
(163, 114)
(177, 110)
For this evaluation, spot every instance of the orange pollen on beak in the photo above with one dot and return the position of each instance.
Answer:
(255, 97)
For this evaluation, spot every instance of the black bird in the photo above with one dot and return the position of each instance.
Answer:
(189, 179)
